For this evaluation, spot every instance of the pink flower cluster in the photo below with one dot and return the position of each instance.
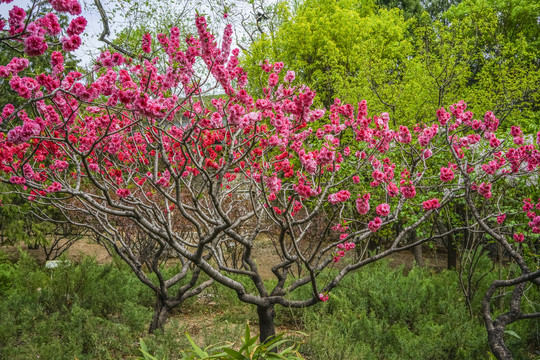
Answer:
(383, 209)
(375, 224)
(54, 187)
(165, 179)
(32, 33)
(340, 196)
(71, 6)
(76, 26)
(15, 66)
(324, 297)
(123, 193)
(431, 204)
(528, 206)
(447, 174)
(304, 189)
(362, 204)
(343, 248)
(485, 190)
(273, 184)
(519, 237)
(147, 43)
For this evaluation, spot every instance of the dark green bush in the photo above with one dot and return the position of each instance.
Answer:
(85, 310)
(380, 313)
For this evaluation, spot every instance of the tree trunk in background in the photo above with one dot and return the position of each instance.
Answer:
(161, 314)
(417, 250)
(452, 252)
(418, 256)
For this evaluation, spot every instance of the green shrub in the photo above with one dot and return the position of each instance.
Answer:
(379, 313)
(249, 349)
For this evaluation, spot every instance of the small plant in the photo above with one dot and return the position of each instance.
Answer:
(250, 349)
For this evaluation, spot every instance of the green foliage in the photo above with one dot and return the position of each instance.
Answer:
(91, 311)
(380, 313)
(86, 311)
(250, 349)
(409, 66)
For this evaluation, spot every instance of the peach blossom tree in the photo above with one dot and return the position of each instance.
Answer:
(203, 169)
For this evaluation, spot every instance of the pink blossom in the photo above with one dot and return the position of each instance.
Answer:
(516, 131)
(356, 179)
(340, 196)
(324, 297)
(408, 191)
(375, 224)
(446, 174)
(404, 135)
(273, 80)
(527, 205)
(494, 142)
(378, 175)
(123, 193)
(485, 190)
(273, 183)
(50, 23)
(290, 76)
(362, 204)
(500, 218)
(325, 156)
(54, 187)
(383, 209)
(71, 43)
(57, 61)
(77, 26)
(519, 237)
(7, 111)
(443, 116)
(147, 43)
(35, 45)
(392, 189)
(431, 204)
(18, 180)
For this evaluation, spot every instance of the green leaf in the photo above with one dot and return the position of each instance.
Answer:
(235, 354)
(200, 353)
(513, 333)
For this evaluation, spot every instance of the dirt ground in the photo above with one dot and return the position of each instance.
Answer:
(264, 254)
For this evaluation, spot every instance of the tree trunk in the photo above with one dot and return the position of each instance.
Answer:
(497, 345)
(452, 252)
(418, 255)
(266, 323)
(161, 314)
(417, 250)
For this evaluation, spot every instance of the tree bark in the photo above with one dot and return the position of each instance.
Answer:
(417, 250)
(497, 345)
(452, 252)
(266, 323)
(161, 314)
(418, 255)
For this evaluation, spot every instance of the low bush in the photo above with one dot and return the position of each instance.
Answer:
(380, 313)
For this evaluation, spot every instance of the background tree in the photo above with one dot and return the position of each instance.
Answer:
(409, 68)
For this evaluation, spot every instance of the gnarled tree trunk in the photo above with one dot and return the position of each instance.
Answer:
(266, 322)
(162, 309)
